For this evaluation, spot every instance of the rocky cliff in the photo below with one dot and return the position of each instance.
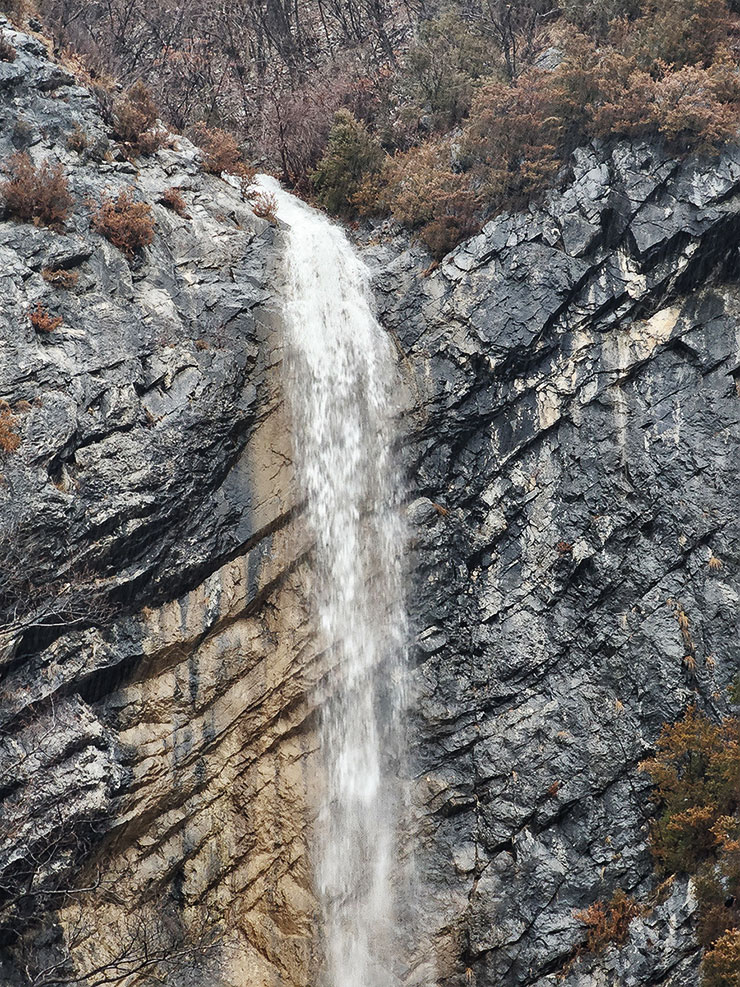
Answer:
(572, 478)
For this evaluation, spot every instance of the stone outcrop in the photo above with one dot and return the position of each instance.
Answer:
(153, 750)
(575, 472)
(572, 460)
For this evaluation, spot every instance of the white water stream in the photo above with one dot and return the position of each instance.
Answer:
(341, 382)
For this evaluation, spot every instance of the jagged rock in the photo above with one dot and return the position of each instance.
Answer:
(576, 376)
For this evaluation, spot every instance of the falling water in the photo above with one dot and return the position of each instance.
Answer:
(342, 387)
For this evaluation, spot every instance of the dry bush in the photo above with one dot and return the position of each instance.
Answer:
(696, 770)
(43, 321)
(77, 140)
(264, 205)
(135, 121)
(16, 10)
(297, 123)
(608, 924)
(126, 223)
(9, 438)
(7, 51)
(220, 151)
(696, 773)
(514, 137)
(39, 195)
(172, 199)
(60, 277)
(698, 108)
(425, 194)
(677, 32)
(721, 963)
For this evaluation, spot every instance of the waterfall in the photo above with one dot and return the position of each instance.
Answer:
(341, 383)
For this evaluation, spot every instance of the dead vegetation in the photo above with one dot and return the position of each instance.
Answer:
(43, 321)
(173, 199)
(10, 440)
(38, 195)
(126, 223)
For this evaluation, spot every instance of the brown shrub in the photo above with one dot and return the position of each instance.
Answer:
(77, 140)
(16, 10)
(126, 223)
(696, 773)
(264, 205)
(425, 194)
(39, 195)
(60, 277)
(43, 321)
(9, 438)
(172, 199)
(609, 923)
(7, 51)
(677, 32)
(135, 121)
(220, 151)
(721, 963)
(698, 108)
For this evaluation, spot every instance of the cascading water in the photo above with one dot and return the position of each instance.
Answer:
(342, 387)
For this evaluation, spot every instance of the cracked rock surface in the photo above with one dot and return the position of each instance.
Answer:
(574, 470)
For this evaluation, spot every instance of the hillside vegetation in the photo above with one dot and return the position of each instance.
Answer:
(439, 114)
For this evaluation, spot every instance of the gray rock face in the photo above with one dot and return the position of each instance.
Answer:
(146, 690)
(576, 370)
(572, 460)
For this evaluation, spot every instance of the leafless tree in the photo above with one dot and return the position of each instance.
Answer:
(515, 26)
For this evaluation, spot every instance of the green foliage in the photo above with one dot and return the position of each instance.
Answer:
(442, 68)
(352, 155)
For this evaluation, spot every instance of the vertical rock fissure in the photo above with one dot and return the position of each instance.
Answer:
(341, 385)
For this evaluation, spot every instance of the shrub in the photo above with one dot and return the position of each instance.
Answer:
(9, 438)
(43, 321)
(264, 205)
(721, 963)
(609, 923)
(595, 16)
(77, 140)
(515, 137)
(16, 10)
(425, 194)
(7, 51)
(126, 223)
(696, 773)
(697, 107)
(677, 32)
(220, 151)
(39, 195)
(60, 277)
(442, 67)
(135, 120)
(351, 155)
(172, 199)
